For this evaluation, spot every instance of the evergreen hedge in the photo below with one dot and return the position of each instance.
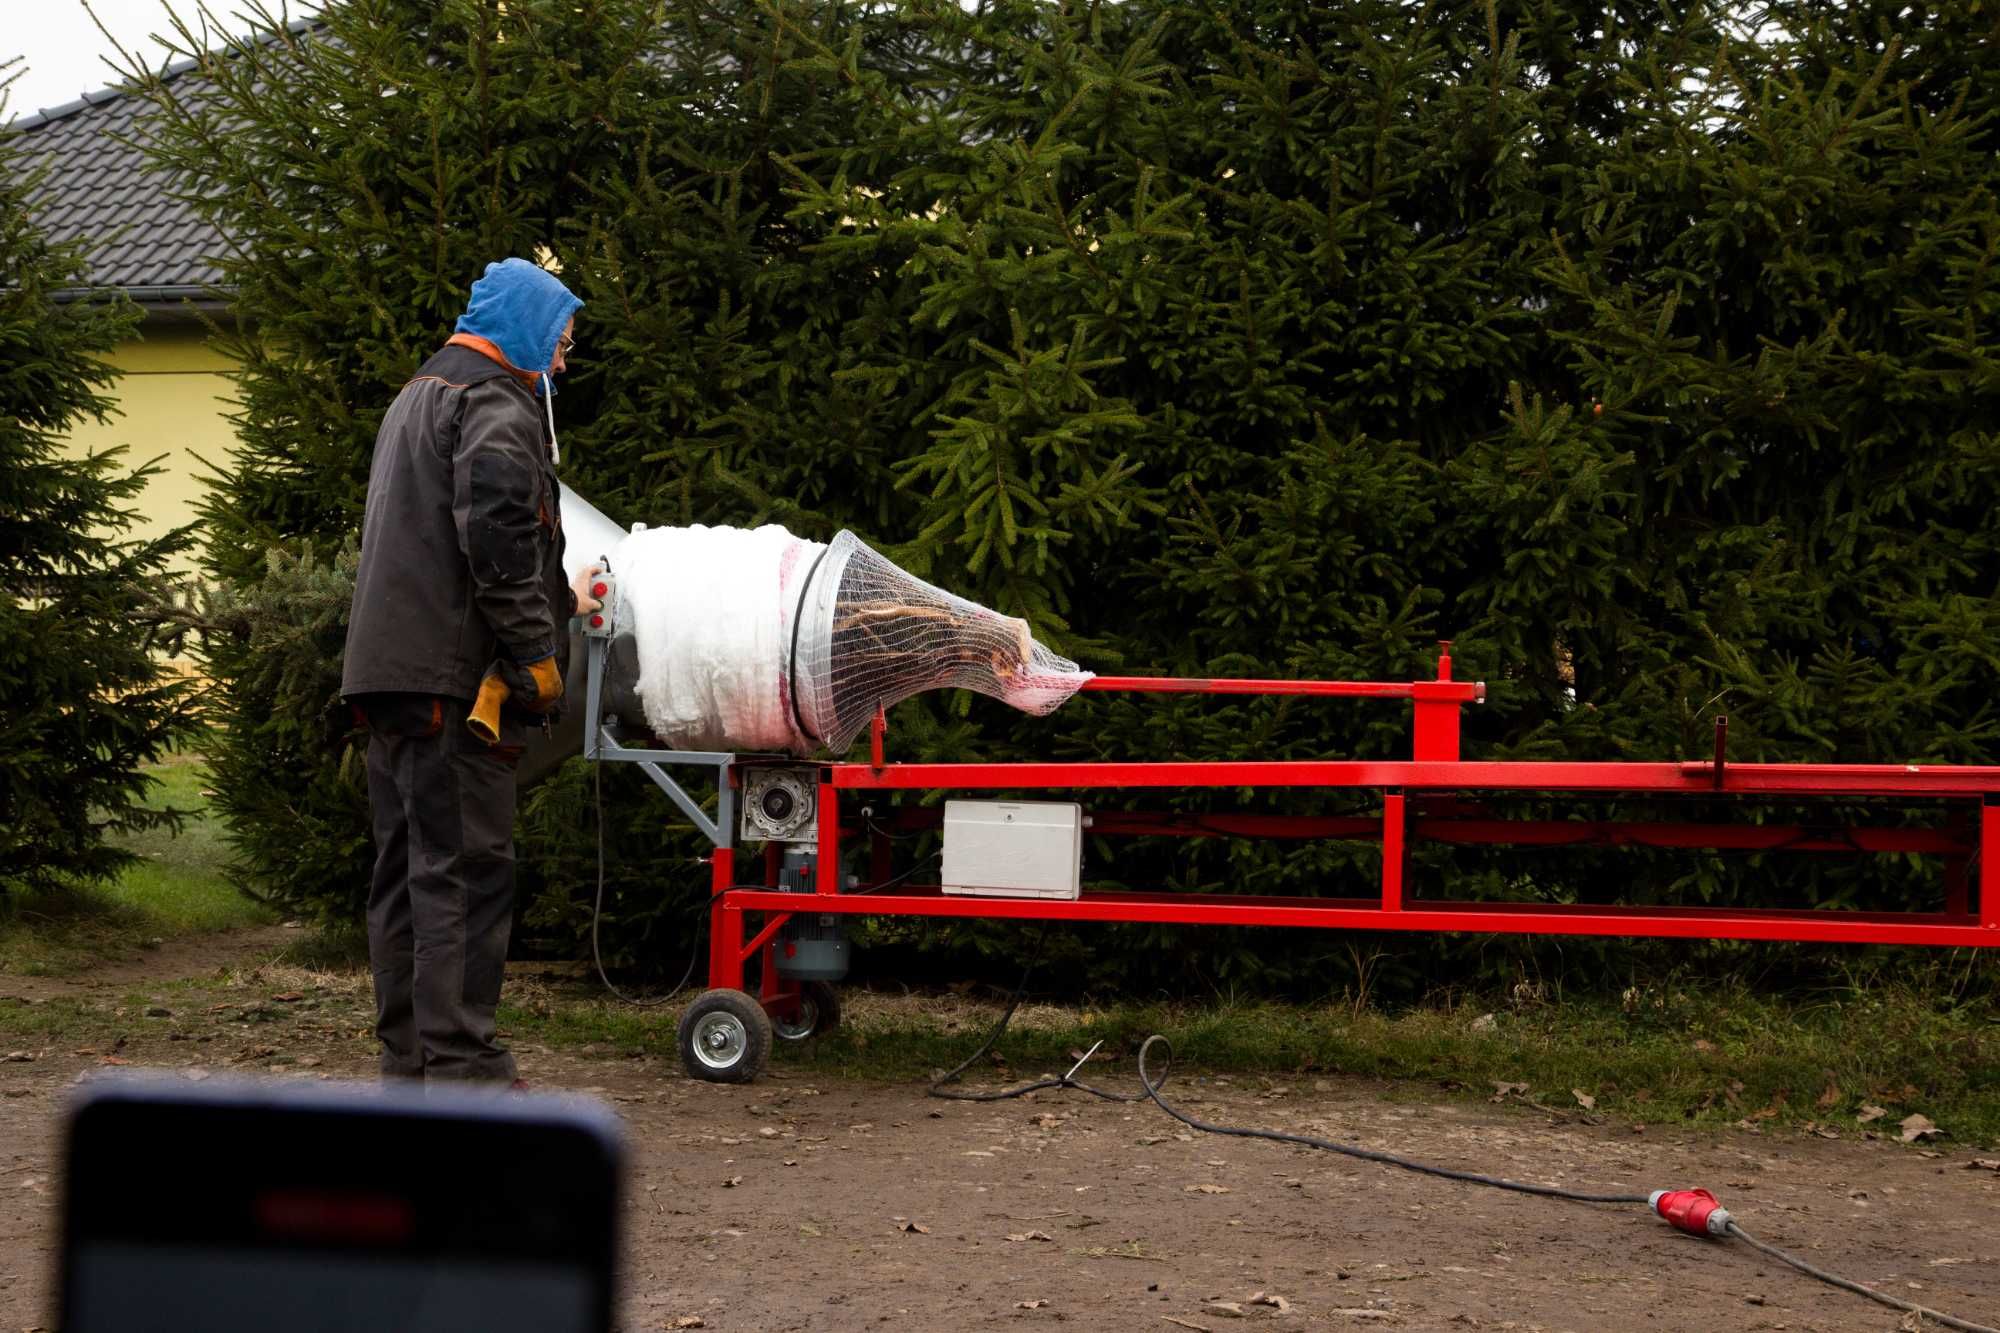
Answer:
(1650, 361)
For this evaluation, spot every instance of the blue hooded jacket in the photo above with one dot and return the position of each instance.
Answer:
(520, 308)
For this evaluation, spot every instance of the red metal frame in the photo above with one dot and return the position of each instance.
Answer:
(1424, 798)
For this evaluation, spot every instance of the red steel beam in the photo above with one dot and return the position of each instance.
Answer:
(1542, 833)
(1442, 691)
(1507, 918)
(1486, 775)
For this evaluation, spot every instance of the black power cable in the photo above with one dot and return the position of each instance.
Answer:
(1846, 1284)
(1152, 1090)
(896, 881)
(1153, 1087)
(597, 912)
(1068, 1080)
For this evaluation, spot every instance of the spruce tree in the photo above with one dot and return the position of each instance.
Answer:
(84, 702)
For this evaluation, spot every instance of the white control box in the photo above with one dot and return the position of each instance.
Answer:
(1013, 849)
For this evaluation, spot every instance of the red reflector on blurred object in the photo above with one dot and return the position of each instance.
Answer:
(356, 1219)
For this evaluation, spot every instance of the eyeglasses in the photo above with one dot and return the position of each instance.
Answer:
(566, 344)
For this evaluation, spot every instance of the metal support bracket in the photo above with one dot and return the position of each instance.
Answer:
(600, 743)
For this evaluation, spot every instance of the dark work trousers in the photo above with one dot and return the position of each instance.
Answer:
(442, 901)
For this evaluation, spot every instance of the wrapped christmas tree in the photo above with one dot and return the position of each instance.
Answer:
(754, 639)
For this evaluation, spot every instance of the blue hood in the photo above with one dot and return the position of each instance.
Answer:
(520, 308)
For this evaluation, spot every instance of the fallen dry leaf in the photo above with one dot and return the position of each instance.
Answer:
(1830, 1098)
(16, 1057)
(1205, 1189)
(688, 1321)
(1502, 1091)
(1185, 1323)
(1868, 1113)
(1278, 1303)
(1983, 1164)
(1918, 1127)
(1705, 1046)
(289, 997)
(917, 1227)
(732, 1182)
(114, 1060)
(1029, 1235)
(1584, 1099)
(1030, 1305)
(1227, 1309)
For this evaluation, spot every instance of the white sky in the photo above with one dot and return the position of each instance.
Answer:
(63, 48)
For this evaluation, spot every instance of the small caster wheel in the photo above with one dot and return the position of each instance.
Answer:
(725, 1037)
(818, 1013)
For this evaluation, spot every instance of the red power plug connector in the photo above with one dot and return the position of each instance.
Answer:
(1693, 1211)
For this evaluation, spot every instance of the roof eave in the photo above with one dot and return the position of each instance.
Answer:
(178, 304)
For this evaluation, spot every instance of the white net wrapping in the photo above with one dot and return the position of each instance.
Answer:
(756, 640)
(871, 635)
(710, 612)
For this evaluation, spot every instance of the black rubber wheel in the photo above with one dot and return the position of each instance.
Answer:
(818, 1014)
(725, 1037)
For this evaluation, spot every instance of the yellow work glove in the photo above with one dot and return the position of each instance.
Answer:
(535, 687)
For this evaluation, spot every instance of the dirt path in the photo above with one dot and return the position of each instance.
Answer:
(182, 956)
(809, 1202)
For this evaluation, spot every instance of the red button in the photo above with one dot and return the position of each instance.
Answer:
(597, 622)
(599, 589)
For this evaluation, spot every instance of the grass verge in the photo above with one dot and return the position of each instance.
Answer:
(176, 888)
(1841, 1066)
(1838, 1066)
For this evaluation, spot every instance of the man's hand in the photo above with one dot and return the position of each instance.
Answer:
(535, 686)
(580, 588)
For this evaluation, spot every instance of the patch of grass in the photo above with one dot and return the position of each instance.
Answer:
(50, 1022)
(176, 888)
(1726, 1056)
(1737, 1057)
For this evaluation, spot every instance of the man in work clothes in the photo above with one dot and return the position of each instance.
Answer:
(461, 572)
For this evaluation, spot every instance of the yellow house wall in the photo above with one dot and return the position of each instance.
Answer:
(172, 403)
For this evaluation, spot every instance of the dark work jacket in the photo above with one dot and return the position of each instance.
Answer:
(461, 543)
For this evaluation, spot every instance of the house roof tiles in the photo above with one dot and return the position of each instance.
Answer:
(97, 188)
